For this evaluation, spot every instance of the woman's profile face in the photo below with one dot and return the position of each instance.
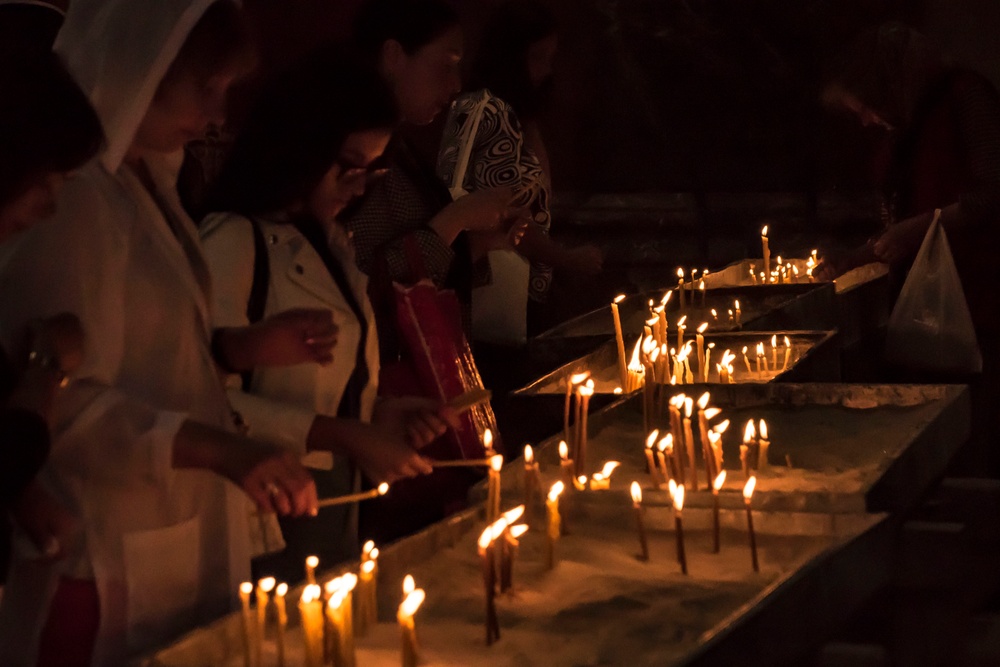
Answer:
(346, 179)
(425, 82)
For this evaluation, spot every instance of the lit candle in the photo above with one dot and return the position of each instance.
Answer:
(619, 340)
(407, 609)
(586, 391)
(580, 483)
(715, 315)
(763, 444)
(487, 549)
(788, 354)
(700, 344)
(510, 546)
(311, 615)
(312, 562)
(767, 251)
(666, 449)
(715, 442)
(654, 471)
(760, 355)
(701, 289)
(717, 483)
(380, 490)
(636, 371)
(680, 288)
(681, 326)
(746, 361)
(747, 495)
(493, 488)
(774, 352)
(676, 428)
(506, 554)
(601, 481)
(336, 633)
(679, 527)
(708, 357)
(350, 582)
(703, 431)
(530, 482)
(753, 275)
(264, 588)
(637, 506)
(246, 588)
(732, 319)
(566, 464)
(571, 383)
(553, 524)
(777, 271)
(692, 469)
(749, 435)
(688, 375)
(279, 602)
(739, 312)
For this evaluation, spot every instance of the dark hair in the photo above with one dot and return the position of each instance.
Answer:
(221, 37)
(501, 62)
(296, 129)
(412, 23)
(28, 30)
(46, 123)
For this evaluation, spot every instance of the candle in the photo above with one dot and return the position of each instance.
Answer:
(505, 542)
(486, 553)
(350, 582)
(708, 357)
(767, 250)
(637, 506)
(336, 651)
(739, 313)
(264, 588)
(279, 602)
(566, 464)
(692, 469)
(788, 354)
(700, 343)
(586, 391)
(688, 375)
(774, 352)
(749, 436)
(679, 527)
(601, 481)
(312, 562)
(717, 483)
(311, 615)
(246, 588)
(366, 615)
(660, 313)
(753, 276)
(715, 449)
(553, 525)
(407, 609)
(747, 495)
(746, 361)
(666, 449)
(380, 490)
(651, 466)
(680, 288)
(571, 383)
(701, 290)
(493, 488)
(636, 371)
(732, 319)
(715, 315)
(622, 372)
(676, 428)
(532, 476)
(763, 444)
(703, 431)
(511, 545)
(760, 355)
(681, 326)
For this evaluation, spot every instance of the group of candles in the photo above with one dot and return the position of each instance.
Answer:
(783, 272)
(579, 387)
(498, 545)
(331, 615)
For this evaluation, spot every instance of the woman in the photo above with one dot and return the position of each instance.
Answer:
(47, 129)
(510, 84)
(407, 227)
(944, 123)
(143, 442)
(304, 154)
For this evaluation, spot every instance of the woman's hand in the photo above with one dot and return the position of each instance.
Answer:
(479, 211)
(47, 523)
(902, 240)
(381, 452)
(421, 420)
(297, 336)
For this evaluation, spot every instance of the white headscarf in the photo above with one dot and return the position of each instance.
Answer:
(118, 51)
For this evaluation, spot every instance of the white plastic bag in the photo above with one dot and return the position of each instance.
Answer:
(930, 328)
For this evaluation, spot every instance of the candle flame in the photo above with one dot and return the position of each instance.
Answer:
(374, 554)
(333, 585)
(513, 515)
(619, 298)
(680, 322)
(609, 468)
(636, 493)
(408, 584)
(763, 430)
(763, 232)
(713, 437)
(336, 599)
(350, 581)
(666, 298)
(488, 439)
(680, 273)
(749, 487)
(267, 584)
(579, 377)
(581, 481)
(311, 593)
(795, 269)
(788, 343)
(736, 304)
(412, 603)
(282, 590)
(720, 479)
(715, 313)
(749, 433)
(688, 407)
(679, 498)
(617, 391)
(721, 427)
(704, 327)
(760, 349)
(587, 389)
(563, 450)
(496, 462)
(368, 566)
(485, 538)
(712, 413)
(519, 530)
(654, 355)
(556, 490)
(529, 454)
(667, 442)
(246, 588)
(651, 438)
(651, 322)
(774, 340)
(701, 284)
(383, 488)
(634, 364)
(367, 548)
(744, 349)
(671, 487)
(703, 400)
(312, 562)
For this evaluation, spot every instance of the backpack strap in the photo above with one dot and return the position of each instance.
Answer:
(258, 288)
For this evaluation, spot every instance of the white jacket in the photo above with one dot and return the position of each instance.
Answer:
(167, 548)
(283, 401)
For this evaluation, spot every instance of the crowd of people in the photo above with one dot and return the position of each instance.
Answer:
(179, 392)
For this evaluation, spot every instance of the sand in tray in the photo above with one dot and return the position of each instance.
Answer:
(600, 605)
